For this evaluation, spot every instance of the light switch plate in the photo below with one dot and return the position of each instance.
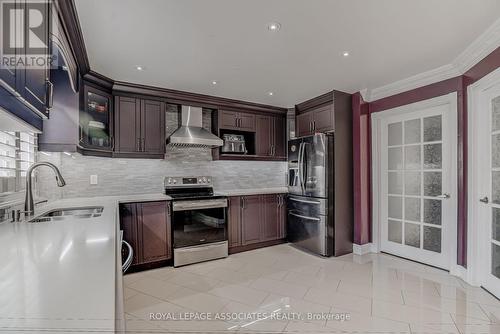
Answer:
(93, 179)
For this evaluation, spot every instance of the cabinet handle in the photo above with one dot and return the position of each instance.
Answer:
(50, 94)
(139, 144)
(143, 145)
(236, 122)
(239, 122)
(112, 139)
(243, 202)
(314, 125)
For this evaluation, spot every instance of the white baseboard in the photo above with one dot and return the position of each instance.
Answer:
(363, 249)
(460, 272)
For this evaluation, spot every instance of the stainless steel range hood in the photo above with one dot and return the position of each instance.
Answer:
(191, 133)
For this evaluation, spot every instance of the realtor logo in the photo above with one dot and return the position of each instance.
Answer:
(24, 27)
(25, 37)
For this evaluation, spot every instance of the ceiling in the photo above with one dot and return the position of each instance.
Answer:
(187, 44)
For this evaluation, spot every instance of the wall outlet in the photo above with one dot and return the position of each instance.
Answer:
(93, 179)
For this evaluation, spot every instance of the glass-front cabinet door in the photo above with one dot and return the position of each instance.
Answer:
(96, 128)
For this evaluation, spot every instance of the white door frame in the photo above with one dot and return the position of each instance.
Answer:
(475, 231)
(377, 118)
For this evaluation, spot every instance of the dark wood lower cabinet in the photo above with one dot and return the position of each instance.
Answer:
(147, 227)
(256, 220)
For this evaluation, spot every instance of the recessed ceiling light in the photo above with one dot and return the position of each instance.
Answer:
(274, 26)
(139, 68)
(270, 93)
(345, 53)
(214, 82)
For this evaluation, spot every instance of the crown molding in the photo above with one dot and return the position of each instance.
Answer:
(486, 43)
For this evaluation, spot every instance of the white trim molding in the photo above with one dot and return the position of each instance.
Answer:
(364, 249)
(486, 43)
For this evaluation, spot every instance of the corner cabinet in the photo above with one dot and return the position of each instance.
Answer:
(146, 227)
(96, 120)
(140, 128)
(256, 221)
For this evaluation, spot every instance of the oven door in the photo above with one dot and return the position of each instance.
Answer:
(198, 222)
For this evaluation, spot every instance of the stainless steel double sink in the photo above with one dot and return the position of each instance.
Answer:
(69, 213)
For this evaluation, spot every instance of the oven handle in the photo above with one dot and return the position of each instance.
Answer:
(202, 204)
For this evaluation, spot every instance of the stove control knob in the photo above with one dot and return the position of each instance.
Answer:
(169, 181)
(208, 180)
(200, 181)
(204, 180)
(175, 181)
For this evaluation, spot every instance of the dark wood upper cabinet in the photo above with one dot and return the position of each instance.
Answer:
(279, 137)
(264, 134)
(236, 120)
(270, 136)
(251, 215)
(147, 228)
(127, 121)
(303, 124)
(31, 84)
(318, 114)
(322, 118)
(153, 126)
(140, 127)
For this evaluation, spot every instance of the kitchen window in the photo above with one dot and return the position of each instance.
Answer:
(17, 153)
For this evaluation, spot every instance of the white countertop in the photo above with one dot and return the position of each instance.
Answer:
(246, 192)
(61, 275)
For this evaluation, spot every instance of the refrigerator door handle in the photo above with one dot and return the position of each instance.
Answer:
(301, 148)
(304, 217)
(304, 201)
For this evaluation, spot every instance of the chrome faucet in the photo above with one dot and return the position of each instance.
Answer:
(29, 206)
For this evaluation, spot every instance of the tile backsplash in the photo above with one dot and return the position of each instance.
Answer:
(142, 176)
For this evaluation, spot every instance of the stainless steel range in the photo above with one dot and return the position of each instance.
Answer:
(199, 220)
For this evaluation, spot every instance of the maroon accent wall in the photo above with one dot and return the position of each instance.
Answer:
(362, 168)
(487, 65)
(458, 84)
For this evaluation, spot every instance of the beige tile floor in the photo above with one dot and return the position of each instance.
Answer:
(277, 289)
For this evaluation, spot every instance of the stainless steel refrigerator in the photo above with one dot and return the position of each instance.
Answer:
(320, 195)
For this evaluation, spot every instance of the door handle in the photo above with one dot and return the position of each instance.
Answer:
(485, 200)
(445, 196)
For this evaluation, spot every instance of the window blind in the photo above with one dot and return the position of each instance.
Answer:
(17, 153)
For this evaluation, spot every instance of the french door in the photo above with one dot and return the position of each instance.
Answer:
(487, 197)
(418, 181)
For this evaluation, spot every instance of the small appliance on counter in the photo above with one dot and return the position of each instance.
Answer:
(234, 144)
(199, 220)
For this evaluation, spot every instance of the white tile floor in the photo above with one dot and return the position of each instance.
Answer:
(275, 289)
